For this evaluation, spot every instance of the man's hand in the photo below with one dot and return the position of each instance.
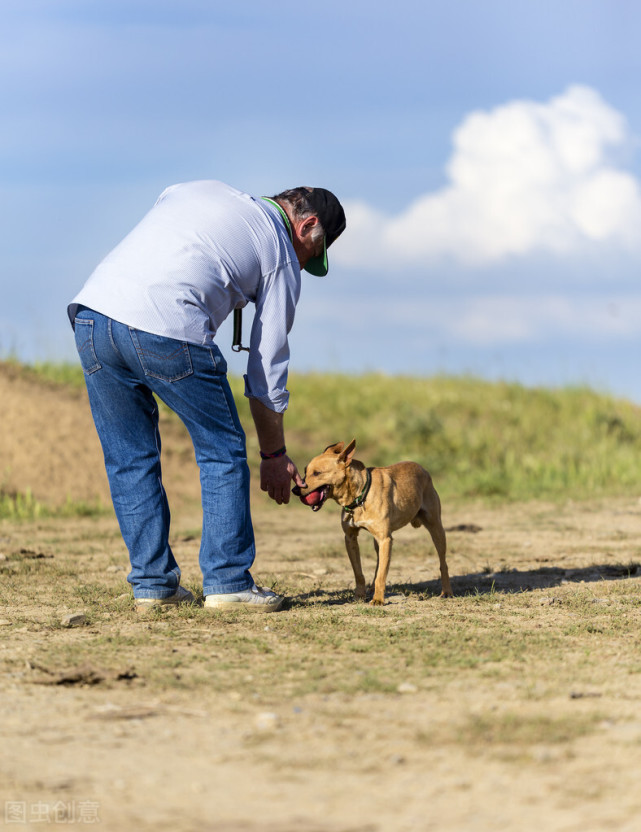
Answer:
(276, 477)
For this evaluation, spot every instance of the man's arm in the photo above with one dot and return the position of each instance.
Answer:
(276, 474)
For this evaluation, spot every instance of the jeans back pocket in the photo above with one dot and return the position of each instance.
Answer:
(83, 328)
(162, 358)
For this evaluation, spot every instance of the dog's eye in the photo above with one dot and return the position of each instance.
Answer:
(315, 473)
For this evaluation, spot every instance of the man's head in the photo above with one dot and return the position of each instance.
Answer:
(317, 219)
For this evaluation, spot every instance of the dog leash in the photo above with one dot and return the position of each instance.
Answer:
(361, 497)
(237, 338)
(236, 344)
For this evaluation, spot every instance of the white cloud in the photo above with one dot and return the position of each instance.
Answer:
(504, 319)
(479, 321)
(526, 177)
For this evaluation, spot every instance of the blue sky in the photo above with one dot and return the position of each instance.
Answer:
(487, 154)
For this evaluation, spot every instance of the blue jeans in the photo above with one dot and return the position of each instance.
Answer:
(123, 367)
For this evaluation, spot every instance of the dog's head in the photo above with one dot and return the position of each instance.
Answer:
(324, 473)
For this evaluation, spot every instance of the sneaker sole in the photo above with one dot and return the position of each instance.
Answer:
(245, 605)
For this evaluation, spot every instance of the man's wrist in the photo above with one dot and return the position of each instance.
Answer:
(274, 454)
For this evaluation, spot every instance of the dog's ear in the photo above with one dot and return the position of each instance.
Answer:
(334, 449)
(347, 453)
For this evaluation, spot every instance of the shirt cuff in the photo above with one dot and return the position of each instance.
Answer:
(276, 400)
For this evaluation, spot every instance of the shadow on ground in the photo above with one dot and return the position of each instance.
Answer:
(485, 583)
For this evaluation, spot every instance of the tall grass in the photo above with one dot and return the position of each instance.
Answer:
(477, 438)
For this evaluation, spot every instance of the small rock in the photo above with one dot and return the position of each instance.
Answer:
(115, 568)
(267, 721)
(75, 619)
(4, 622)
(407, 687)
(3, 556)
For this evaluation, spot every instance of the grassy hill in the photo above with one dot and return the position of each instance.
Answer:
(477, 438)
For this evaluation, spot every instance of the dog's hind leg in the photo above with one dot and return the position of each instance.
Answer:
(433, 524)
(354, 554)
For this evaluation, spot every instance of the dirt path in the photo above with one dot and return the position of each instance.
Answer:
(320, 718)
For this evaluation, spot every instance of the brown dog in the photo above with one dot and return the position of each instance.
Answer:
(380, 500)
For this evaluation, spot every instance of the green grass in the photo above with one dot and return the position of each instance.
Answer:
(24, 506)
(477, 438)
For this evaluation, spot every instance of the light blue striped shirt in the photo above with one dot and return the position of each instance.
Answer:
(203, 250)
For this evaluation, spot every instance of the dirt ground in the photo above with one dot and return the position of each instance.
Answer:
(514, 706)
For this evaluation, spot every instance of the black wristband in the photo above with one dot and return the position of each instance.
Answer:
(280, 452)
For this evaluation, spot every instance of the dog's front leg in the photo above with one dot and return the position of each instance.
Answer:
(354, 554)
(384, 551)
(370, 587)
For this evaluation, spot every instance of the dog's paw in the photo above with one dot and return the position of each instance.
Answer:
(446, 595)
(377, 602)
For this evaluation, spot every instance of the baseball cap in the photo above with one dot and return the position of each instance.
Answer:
(332, 217)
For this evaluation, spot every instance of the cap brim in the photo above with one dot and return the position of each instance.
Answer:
(318, 265)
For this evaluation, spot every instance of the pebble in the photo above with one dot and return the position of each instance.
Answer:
(115, 568)
(407, 687)
(75, 619)
(267, 721)
(4, 622)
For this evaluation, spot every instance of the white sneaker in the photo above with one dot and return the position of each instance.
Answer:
(180, 596)
(257, 599)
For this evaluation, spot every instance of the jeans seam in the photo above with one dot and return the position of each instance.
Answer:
(238, 429)
(111, 338)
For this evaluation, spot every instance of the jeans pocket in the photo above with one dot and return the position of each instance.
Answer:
(83, 328)
(162, 358)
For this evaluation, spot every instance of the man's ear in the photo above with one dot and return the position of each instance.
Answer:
(347, 453)
(307, 226)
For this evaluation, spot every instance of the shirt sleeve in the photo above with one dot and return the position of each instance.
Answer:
(268, 362)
